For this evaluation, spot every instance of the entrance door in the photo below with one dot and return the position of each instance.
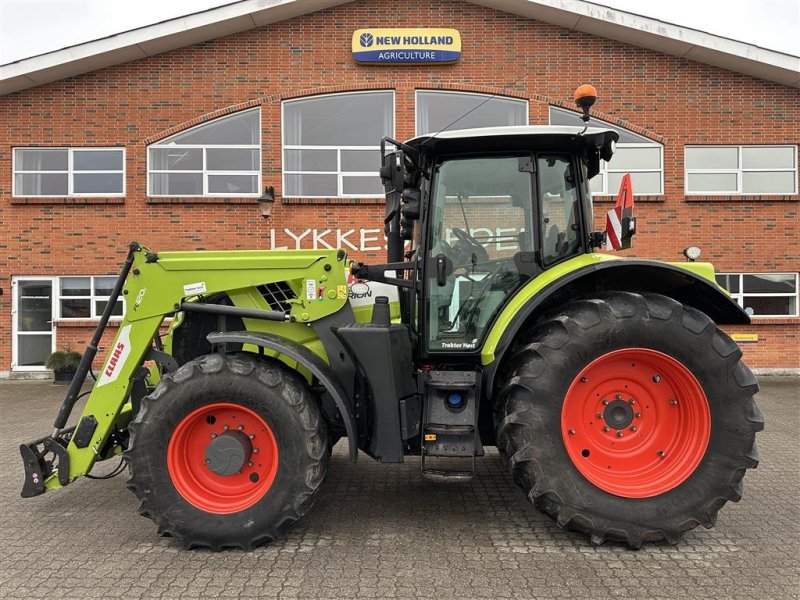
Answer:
(32, 323)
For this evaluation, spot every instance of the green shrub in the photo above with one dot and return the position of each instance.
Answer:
(66, 360)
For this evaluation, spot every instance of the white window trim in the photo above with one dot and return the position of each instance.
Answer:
(739, 296)
(739, 171)
(55, 312)
(463, 93)
(92, 298)
(15, 328)
(605, 170)
(204, 172)
(339, 149)
(70, 172)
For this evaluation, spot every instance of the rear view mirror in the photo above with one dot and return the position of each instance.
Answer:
(392, 176)
(391, 171)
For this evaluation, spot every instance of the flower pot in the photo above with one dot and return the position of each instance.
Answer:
(63, 377)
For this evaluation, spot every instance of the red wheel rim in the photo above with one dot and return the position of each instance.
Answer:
(636, 423)
(194, 480)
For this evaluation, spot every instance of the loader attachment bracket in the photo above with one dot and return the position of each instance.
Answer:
(34, 476)
(38, 468)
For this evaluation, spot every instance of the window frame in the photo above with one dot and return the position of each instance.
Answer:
(740, 295)
(205, 172)
(339, 149)
(463, 93)
(70, 172)
(15, 331)
(739, 170)
(93, 297)
(604, 171)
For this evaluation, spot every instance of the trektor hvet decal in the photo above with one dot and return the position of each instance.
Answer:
(190, 289)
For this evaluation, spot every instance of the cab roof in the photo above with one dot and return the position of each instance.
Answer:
(513, 138)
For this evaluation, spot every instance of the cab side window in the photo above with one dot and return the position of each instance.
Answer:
(559, 204)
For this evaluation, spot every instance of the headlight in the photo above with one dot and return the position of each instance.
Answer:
(692, 253)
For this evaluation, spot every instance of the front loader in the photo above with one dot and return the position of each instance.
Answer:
(619, 406)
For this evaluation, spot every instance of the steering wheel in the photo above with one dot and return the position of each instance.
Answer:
(481, 254)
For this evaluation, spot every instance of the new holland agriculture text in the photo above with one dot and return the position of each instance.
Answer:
(406, 45)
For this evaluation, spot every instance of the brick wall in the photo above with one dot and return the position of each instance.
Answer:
(673, 100)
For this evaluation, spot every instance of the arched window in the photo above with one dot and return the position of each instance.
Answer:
(218, 158)
(437, 110)
(635, 154)
(331, 144)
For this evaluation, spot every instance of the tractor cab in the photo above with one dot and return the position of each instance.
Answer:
(485, 211)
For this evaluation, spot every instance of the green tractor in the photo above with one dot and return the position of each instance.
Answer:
(618, 405)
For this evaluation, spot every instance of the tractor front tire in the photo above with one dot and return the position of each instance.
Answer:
(628, 417)
(228, 451)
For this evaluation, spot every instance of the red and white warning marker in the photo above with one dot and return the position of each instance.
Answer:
(620, 223)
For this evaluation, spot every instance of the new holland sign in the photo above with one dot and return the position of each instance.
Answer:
(406, 45)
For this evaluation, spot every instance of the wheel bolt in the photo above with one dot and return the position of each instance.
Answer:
(250, 463)
(583, 380)
(213, 435)
(605, 401)
(225, 427)
(620, 434)
(632, 427)
(252, 435)
(605, 428)
(632, 401)
(599, 415)
(617, 396)
(673, 402)
(572, 432)
(255, 450)
(240, 427)
(656, 378)
(661, 453)
(208, 461)
(637, 414)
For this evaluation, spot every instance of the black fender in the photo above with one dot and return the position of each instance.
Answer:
(303, 356)
(627, 275)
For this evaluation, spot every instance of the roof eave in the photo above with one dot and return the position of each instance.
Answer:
(248, 14)
(153, 39)
(660, 36)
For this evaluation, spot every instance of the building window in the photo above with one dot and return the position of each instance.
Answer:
(765, 294)
(741, 169)
(437, 111)
(331, 144)
(635, 154)
(39, 302)
(218, 158)
(86, 297)
(59, 172)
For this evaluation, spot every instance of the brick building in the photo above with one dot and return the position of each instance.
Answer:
(170, 133)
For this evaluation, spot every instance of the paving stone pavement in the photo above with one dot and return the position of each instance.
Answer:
(380, 531)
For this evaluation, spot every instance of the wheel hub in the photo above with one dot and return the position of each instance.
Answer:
(618, 414)
(222, 457)
(635, 422)
(228, 453)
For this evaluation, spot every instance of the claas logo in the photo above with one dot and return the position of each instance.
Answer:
(112, 363)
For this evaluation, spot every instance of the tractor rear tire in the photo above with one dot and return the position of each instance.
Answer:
(270, 457)
(628, 417)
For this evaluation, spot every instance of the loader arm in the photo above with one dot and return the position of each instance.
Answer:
(159, 286)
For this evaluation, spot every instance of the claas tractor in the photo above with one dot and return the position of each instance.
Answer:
(618, 405)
